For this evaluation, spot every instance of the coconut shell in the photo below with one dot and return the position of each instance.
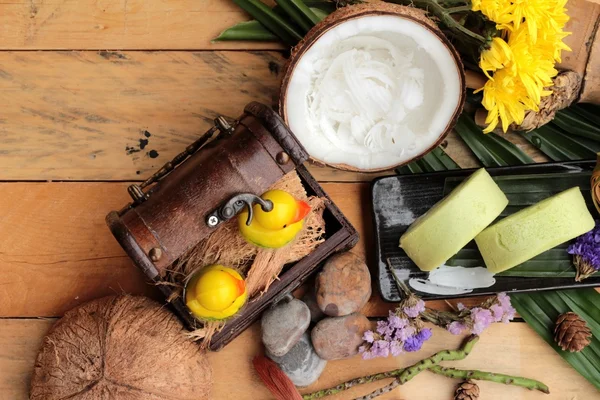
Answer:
(120, 347)
(368, 9)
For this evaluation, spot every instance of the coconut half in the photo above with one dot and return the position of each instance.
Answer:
(372, 87)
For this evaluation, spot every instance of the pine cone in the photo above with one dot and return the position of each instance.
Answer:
(468, 390)
(571, 332)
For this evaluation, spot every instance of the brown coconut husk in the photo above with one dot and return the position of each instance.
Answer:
(260, 266)
(564, 93)
(120, 347)
(365, 9)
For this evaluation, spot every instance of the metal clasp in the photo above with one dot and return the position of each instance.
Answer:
(221, 126)
(236, 204)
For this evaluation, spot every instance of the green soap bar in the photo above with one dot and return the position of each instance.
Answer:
(534, 230)
(454, 221)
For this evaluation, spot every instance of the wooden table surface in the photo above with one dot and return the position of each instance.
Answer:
(95, 94)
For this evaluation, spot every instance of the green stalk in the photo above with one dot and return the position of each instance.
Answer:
(380, 391)
(444, 16)
(299, 13)
(402, 375)
(446, 355)
(458, 9)
(351, 383)
(530, 384)
(270, 20)
(416, 369)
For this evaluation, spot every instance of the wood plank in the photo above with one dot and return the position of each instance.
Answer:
(121, 24)
(57, 252)
(511, 349)
(84, 115)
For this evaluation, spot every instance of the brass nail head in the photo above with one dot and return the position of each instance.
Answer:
(282, 158)
(155, 254)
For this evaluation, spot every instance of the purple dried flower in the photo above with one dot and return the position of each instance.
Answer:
(504, 300)
(497, 311)
(405, 333)
(380, 348)
(396, 348)
(508, 311)
(366, 355)
(482, 318)
(460, 306)
(456, 328)
(384, 328)
(424, 334)
(413, 344)
(396, 322)
(369, 337)
(414, 311)
(586, 250)
(509, 314)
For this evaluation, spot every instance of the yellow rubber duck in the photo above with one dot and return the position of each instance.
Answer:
(215, 293)
(276, 228)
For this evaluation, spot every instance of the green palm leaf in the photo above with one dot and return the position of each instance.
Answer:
(271, 20)
(435, 160)
(573, 122)
(560, 145)
(299, 12)
(540, 311)
(247, 30)
(491, 149)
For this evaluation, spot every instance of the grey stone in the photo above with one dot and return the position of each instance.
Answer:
(311, 301)
(301, 364)
(284, 324)
(339, 337)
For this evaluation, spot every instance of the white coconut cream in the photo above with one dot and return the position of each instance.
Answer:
(373, 92)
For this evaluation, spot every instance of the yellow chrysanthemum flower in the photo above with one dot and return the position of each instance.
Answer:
(551, 43)
(532, 64)
(504, 97)
(542, 16)
(498, 56)
(520, 62)
(498, 11)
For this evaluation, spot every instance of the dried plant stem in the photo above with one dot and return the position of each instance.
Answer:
(530, 384)
(380, 391)
(440, 318)
(351, 383)
(402, 375)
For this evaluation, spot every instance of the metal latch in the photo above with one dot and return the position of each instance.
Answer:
(236, 204)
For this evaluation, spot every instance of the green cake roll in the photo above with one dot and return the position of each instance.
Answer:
(534, 229)
(454, 221)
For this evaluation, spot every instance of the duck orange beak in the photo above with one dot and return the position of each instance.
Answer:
(302, 211)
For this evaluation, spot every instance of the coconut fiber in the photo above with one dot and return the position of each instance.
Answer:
(120, 347)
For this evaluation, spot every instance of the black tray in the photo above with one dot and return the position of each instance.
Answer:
(397, 200)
